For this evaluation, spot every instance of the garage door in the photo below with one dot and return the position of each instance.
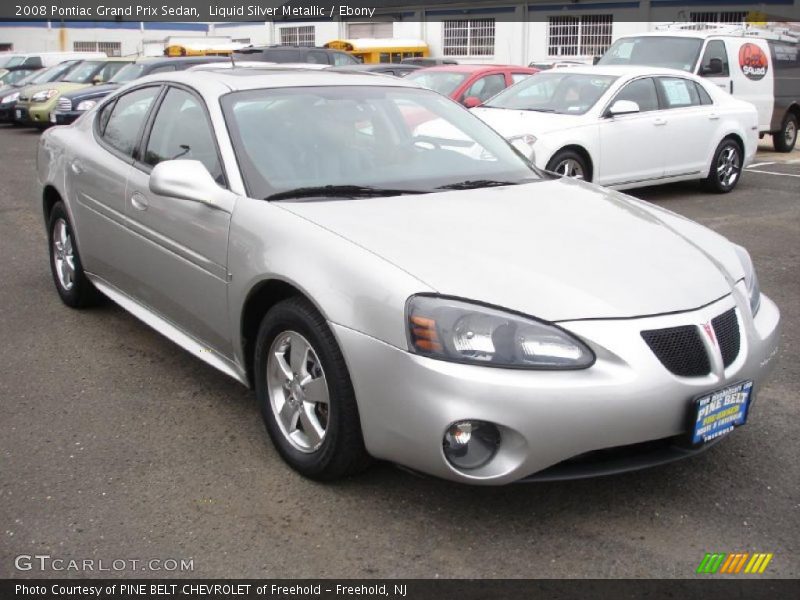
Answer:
(357, 31)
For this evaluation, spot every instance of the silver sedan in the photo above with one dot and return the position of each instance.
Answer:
(391, 296)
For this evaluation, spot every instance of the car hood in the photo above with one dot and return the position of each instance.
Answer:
(509, 122)
(93, 91)
(61, 86)
(556, 249)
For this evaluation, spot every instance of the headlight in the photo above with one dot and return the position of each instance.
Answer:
(86, 105)
(43, 96)
(459, 331)
(750, 279)
(524, 143)
(10, 98)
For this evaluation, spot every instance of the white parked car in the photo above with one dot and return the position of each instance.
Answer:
(626, 127)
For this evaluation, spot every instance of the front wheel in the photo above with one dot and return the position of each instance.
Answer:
(305, 393)
(569, 164)
(726, 167)
(786, 138)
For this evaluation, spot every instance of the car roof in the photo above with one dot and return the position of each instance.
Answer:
(150, 60)
(249, 78)
(470, 68)
(627, 71)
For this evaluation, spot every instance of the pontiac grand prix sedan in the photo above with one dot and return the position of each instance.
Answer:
(389, 296)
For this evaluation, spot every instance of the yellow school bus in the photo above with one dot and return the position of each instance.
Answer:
(373, 51)
(201, 49)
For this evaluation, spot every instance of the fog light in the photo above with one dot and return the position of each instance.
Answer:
(470, 444)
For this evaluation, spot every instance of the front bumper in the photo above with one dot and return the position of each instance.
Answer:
(58, 117)
(28, 113)
(626, 398)
(7, 112)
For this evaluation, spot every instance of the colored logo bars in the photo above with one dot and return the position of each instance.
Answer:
(733, 564)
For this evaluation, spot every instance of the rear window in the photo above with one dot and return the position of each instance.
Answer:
(671, 52)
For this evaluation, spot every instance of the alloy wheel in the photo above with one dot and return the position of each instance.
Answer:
(790, 133)
(569, 167)
(728, 166)
(63, 255)
(298, 391)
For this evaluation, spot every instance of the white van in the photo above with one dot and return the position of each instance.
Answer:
(42, 60)
(756, 65)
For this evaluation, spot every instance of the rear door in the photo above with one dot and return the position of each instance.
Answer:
(97, 175)
(179, 246)
(753, 76)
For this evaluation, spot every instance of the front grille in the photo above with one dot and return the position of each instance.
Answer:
(726, 329)
(64, 104)
(680, 350)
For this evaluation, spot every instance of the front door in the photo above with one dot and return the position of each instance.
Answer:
(180, 246)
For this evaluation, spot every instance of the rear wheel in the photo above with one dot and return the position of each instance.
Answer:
(305, 394)
(72, 285)
(726, 167)
(785, 139)
(569, 163)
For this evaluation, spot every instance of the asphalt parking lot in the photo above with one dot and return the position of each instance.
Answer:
(116, 444)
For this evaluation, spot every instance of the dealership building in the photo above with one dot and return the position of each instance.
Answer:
(489, 31)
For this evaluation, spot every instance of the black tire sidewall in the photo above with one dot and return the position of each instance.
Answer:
(343, 436)
(779, 142)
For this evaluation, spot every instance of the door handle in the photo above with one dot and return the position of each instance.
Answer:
(659, 121)
(139, 202)
(76, 167)
(713, 116)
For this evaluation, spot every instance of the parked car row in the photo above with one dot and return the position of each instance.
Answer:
(396, 281)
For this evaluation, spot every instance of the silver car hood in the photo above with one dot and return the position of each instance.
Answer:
(557, 250)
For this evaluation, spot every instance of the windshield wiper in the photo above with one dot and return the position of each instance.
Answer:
(470, 184)
(338, 191)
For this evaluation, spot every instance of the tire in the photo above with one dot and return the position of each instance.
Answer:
(74, 288)
(726, 167)
(322, 441)
(785, 139)
(569, 163)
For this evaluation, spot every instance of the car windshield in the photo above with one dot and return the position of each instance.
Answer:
(127, 73)
(343, 140)
(14, 76)
(15, 61)
(53, 73)
(444, 82)
(556, 91)
(654, 51)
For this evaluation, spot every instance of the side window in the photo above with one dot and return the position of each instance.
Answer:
(120, 129)
(641, 91)
(340, 59)
(705, 98)
(181, 131)
(110, 69)
(317, 58)
(162, 69)
(486, 87)
(715, 60)
(517, 77)
(678, 92)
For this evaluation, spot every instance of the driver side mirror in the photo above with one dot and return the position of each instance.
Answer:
(622, 107)
(472, 101)
(189, 180)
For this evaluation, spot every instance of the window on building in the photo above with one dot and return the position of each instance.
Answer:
(6, 47)
(241, 41)
(585, 35)
(716, 18)
(356, 31)
(298, 36)
(469, 37)
(110, 48)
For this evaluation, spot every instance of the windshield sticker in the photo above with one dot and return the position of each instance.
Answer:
(752, 61)
(677, 92)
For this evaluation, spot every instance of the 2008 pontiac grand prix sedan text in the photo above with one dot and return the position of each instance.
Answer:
(391, 296)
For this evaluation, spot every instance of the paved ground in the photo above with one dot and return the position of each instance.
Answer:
(115, 444)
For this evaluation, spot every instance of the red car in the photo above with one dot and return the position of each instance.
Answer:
(471, 85)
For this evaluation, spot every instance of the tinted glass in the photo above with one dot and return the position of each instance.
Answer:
(486, 87)
(444, 82)
(126, 118)
(641, 91)
(558, 91)
(678, 93)
(705, 98)
(656, 51)
(181, 131)
(318, 58)
(128, 73)
(387, 137)
(715, 60)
